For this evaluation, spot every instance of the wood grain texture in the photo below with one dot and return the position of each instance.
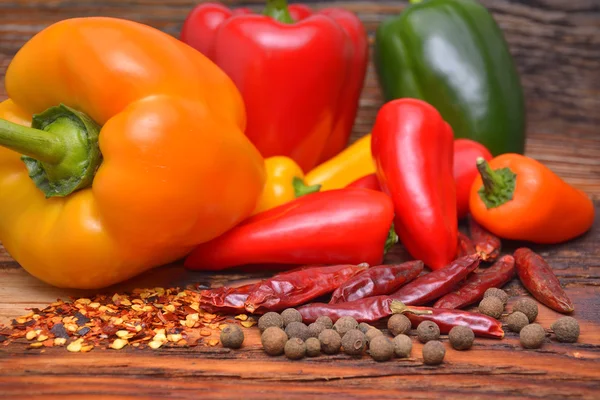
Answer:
(556, 45)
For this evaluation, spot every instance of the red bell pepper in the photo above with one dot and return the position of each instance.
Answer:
(412, 147)
(300, 74)
(466, 152)
(344, 226)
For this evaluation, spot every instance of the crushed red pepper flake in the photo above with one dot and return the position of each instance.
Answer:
(145, 318)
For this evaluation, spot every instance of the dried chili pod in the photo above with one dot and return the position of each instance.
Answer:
(296, 287)
(437, 283)
(369, 309)
(376, 281)
(226, 299)
(487, 245)
(465, 245)
(539, 279)
(475, 286)
(446, 319)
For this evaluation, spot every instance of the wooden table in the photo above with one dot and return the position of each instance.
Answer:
(555, 44)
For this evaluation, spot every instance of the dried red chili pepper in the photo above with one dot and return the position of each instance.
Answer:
(474, 288)
(296, 287)
(486, 243)
(226, 299)
(446, 319)
(431, 286)
(375, 281)
(537, 276)
(465, 245)
(369, 309)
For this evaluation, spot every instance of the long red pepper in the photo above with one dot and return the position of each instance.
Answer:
(293, 288)
(446, 319)
(226, 299)
(539, 279)
(375, 281)
(475, 286)
(413, 150)
(345, 226)
(431, 286)
(486, 243)
(465, 245)
(366, 182)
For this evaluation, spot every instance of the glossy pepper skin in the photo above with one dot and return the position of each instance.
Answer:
(300, 73)
(466, 153)
(285, 182)
(412, 147)
(452, 54)
(346, 226)
(174, 154)
(518, 198)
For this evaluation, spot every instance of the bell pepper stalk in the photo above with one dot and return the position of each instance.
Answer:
(106, 171)
(412, 148)
(311, 120)
(345, 226)
(453, 55)
(518, 198)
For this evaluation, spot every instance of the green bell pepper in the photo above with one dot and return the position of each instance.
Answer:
(452, 54)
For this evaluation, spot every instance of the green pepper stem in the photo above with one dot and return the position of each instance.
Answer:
(415, 1)
(301, 189)
(492, 182)
(278, 10)
(41, 145)
(391, 240)
(498, 185)
(399, 307)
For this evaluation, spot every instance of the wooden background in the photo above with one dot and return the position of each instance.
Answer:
(556, 45)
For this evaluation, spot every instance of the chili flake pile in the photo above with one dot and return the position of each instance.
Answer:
(151, 318)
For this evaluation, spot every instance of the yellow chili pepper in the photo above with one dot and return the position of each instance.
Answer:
(285, 182)
(349, 165)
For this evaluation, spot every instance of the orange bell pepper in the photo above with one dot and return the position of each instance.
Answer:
(147, 161)
(285, 182)
(519, 198)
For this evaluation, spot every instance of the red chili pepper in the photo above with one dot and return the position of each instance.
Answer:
(290, 289)
(466, 153)
(375, 281)
(264, 54)
(369, 309)
(446, 319)
(465, 245)
(486, 243)
(366, 182)
(475, 286)
(431, 286)
(345, 226)
(226, 299)
(413, 151)
(537, 276)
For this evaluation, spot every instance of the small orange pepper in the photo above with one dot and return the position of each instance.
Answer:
(519, 198)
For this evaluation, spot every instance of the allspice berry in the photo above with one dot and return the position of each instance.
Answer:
(297, 329)
(315, 328)
(290, 315)
(295, 349)
(566, 329)
(364, 327)
(461, 337)
(428, 330)
(313, 347)
(398, 323)
(232, 337)
(492, 307)
(528, 307)
(273, 340)
(325, 321)
(532, 336)
(402, 346)
(372, 334)
(345, 324)
(433, 352)
(354, 342)
(270, 319)
(495, 292)
(330, 341)
(517, 321)
(381, 348)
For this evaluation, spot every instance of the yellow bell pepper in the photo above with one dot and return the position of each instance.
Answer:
(147, 161)
(285, 182)
(352, 163)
